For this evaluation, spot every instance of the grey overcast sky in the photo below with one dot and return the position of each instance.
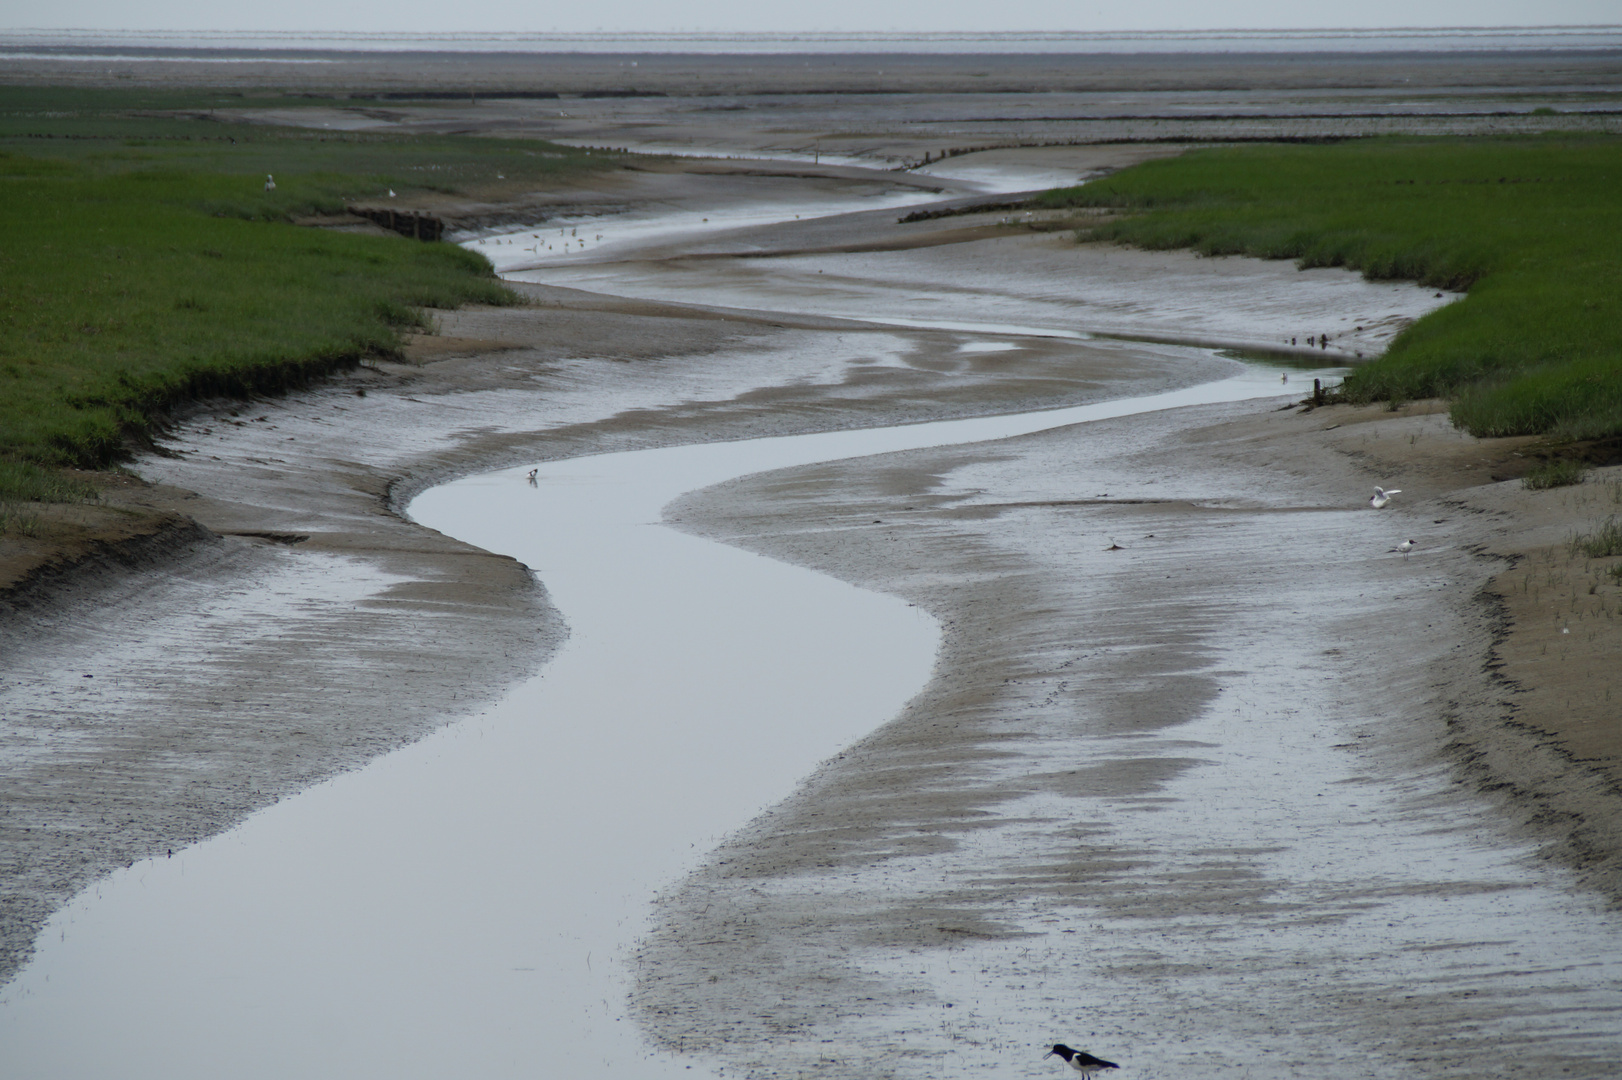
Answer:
(536, 16)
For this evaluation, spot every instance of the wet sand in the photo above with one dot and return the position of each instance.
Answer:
(1240, 781)
(291, 640)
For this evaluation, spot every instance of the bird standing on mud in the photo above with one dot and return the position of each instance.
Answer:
(1382, 496)
(1080, 1060)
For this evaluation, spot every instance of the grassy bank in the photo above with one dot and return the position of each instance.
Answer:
(1530, 227)
(144, 264)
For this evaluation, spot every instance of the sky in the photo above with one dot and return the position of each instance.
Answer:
(539, 16)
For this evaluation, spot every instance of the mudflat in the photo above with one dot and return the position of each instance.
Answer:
(1112, 596)
(1075, 827)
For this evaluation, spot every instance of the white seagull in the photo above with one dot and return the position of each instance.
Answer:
(1406, 546)
(1081, 1060)
(1382, 496)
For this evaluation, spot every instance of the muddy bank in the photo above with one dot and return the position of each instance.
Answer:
(312, 628)
(244, 655)
(1201, 754)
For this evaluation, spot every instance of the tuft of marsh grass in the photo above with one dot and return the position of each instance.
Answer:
(23, 481)
(1559, 472)
(1604, 541)
(18, 520)
(1526, 225)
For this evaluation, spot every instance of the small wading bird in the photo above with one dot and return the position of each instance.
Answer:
(1382, 496)
(1081, 1060)
(531, 477)
(270, 182)
(1406, 546)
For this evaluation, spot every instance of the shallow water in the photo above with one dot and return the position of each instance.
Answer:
(569, 238)
(458, 907)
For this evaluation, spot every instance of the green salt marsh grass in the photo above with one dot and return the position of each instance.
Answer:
(144, 265)
(316, 170)
(1531, 227)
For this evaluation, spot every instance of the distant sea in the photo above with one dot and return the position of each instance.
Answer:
(219, 46)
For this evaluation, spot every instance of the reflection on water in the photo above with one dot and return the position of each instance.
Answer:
(458, 907)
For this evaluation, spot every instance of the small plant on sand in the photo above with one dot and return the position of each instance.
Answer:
(23, 481)
(1602, 543)
(17, 521)
(1559, 472)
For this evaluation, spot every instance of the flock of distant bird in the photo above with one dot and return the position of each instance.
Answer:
(567, 235)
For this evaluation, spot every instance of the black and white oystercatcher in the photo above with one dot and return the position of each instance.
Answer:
(1081, 1060)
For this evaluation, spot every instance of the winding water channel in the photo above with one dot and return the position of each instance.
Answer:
(462, 907)
(459, 906)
